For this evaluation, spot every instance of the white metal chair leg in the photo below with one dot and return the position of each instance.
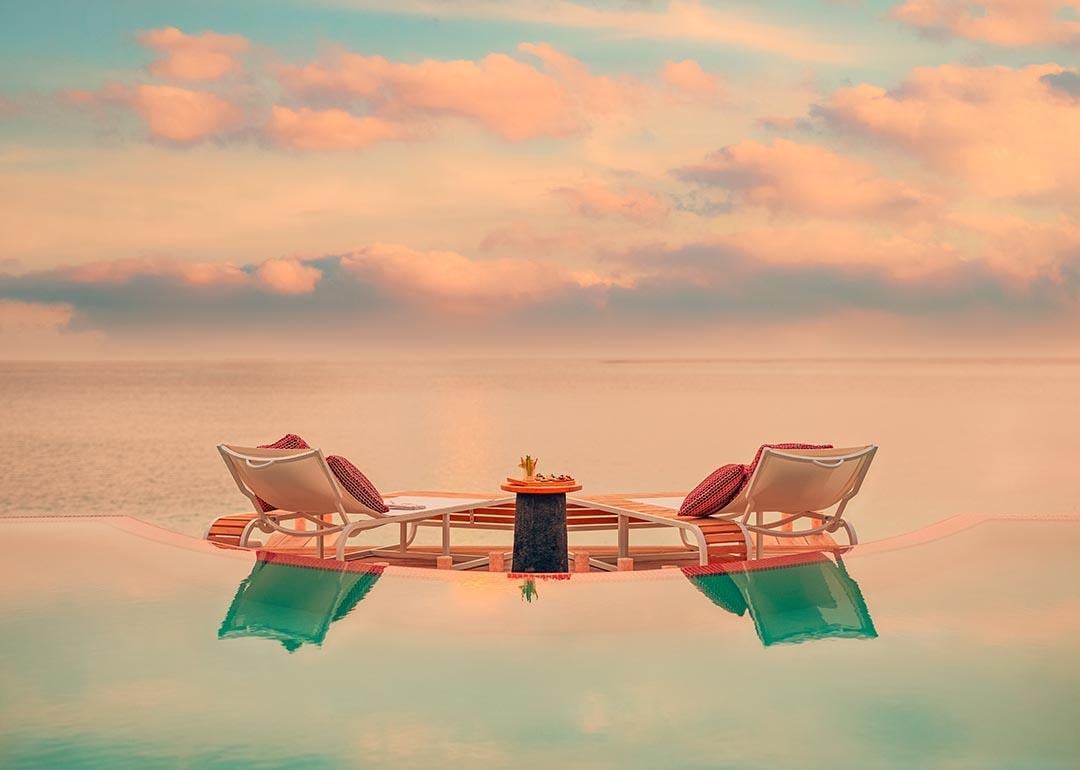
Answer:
(343, 539)
(747, 539)
(245, 536)
(702, 546)
(853, 538)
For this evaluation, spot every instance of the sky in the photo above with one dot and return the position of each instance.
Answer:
(406, 178)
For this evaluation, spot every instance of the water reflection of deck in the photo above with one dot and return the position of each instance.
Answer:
(792, 599)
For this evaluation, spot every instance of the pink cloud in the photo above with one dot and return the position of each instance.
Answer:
(276, 275)
(331, 129)
(207, 56)
(288, 276)
(181, 115)
(594, 200)
(119, 272)
(1002, 22)
(170, 113)
(590, 94)
(690, 79)
(448, 281)
(802, 178)
(770, 276)
(430, 281)
(511, 98)
(1005, 130)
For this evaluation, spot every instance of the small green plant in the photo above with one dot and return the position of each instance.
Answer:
(528, 464)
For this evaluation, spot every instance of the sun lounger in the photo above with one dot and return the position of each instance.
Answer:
(303, 490)
(792, 496)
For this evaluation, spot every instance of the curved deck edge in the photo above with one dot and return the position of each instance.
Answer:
(155, 533)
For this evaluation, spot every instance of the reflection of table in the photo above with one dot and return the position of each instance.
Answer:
(540, 526)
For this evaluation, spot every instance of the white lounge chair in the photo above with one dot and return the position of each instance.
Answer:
(302, 487)
(793, 493)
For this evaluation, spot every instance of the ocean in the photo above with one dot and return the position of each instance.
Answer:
(138, 438)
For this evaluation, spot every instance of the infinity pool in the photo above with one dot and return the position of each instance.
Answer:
(127, 646)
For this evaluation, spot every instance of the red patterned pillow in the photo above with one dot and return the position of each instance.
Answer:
(347, 474)
(288, 441)
(757, 458)
(717, 490)
(722, 485)
(356, 483)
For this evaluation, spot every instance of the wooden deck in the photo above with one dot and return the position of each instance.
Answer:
(725, 540)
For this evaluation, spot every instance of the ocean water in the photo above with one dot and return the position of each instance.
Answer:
(138, 438)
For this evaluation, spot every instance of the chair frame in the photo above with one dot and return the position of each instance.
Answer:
(272, 521)
(750, 517)
(828, 523)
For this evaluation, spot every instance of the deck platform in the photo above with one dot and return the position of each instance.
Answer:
(725, 540)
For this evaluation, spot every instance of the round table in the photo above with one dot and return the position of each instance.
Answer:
(540, 525)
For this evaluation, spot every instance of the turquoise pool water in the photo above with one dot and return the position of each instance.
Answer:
(125, 647)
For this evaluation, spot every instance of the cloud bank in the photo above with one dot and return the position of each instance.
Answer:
(1011, 23)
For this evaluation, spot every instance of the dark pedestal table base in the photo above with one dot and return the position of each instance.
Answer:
(540, 533)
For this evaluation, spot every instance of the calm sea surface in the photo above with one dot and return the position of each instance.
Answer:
(993, 436)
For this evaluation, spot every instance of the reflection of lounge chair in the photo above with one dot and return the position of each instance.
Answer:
(809, 597)
(303, 489)
(807, 489)
(294, 605)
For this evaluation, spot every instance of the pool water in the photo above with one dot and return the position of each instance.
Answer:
(127, 647)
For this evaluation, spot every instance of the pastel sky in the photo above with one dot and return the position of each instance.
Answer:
(287, 178)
